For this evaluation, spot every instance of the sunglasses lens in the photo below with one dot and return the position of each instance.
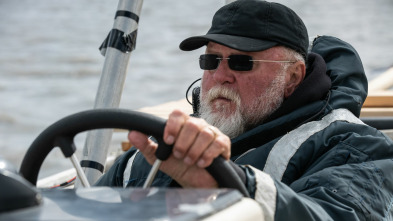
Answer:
(240, 62)
(235, 62)
(208, 61)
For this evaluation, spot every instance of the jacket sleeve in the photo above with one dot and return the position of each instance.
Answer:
(355, 190)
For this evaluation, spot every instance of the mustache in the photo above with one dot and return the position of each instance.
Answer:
(223, 92)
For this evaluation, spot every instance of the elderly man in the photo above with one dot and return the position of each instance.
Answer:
(286, 116)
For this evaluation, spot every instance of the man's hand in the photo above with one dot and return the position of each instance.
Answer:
(195, 145)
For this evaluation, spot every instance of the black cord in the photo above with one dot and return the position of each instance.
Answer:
(190, 88)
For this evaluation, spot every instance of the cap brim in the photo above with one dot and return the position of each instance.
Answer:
(231, 41)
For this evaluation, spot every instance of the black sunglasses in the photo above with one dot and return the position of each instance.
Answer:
(235, 62)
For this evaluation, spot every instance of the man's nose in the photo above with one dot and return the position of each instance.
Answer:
(223, 74)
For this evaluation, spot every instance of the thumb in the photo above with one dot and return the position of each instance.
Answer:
(146, 146)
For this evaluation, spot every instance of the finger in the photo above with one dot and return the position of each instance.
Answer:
(187, 136)
(146, 146)
(220, 146)
(224, 141)
(202, 142)
(173, 126)
(137, 138)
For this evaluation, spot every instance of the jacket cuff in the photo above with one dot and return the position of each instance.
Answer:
(265, 192)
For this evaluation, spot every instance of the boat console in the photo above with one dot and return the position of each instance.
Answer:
(104, 203)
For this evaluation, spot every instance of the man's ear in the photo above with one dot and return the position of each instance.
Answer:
(295, 75)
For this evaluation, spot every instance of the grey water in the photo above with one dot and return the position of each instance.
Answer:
(50, 65)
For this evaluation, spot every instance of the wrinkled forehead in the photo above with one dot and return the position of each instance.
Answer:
(276, 52)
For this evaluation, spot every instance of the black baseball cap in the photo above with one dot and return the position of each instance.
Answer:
(253, 25)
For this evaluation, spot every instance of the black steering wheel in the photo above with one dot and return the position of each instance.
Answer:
(61, 134)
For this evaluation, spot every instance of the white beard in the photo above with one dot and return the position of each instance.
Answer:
(234, 124)
(231, 125)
